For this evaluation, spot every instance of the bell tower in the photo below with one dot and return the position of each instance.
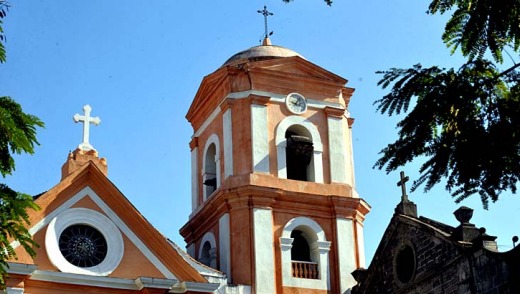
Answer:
(274, 204)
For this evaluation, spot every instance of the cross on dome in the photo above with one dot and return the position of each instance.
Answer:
(86, 120)
(265, 13)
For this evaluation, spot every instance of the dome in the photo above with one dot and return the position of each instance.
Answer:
(262, 52)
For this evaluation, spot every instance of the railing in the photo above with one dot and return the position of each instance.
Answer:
(305, 270)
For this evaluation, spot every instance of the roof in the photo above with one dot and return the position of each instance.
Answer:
(262, 52)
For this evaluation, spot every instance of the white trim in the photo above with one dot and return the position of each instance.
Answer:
(346, 253)
(194, 179)
(227, 133)
(279, 98)
(207, 122)
(360, 244)
(213, 139)
(263, 251)
(75, 279)
(337, 151)
(75, 216)
(145, 282)
(281, 143)
(13, 290)
(320, 248)
(87, 191)
(259, 138)
(224, 239)
(21, 268)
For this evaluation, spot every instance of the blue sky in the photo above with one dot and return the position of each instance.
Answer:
(139, 64)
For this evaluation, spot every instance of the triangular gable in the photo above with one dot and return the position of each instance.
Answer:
(88, 183)
(398, 234)
(298, 66)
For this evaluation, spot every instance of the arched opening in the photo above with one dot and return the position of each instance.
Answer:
(300, 250)
(299, 154)
(305, 254)
(205, 257)
(210, 171)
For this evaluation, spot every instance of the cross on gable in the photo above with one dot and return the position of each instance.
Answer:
(86, 120)
(402, 183)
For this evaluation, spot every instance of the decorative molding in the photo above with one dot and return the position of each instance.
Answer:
(21, 268)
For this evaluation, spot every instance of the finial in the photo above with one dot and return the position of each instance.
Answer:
(266, 13)
(86, 120)
(402, 183)
(405, 207)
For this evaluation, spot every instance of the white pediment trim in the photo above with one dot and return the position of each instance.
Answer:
(88, 192)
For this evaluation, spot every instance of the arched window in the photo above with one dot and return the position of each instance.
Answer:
(204, 256)
(299, 154)
(304, 251)
(300, 250)
(299, 150)
(208, 250)
(211, 166)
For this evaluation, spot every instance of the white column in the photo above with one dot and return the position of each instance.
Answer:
(337, 151)
(11, 290)
(346, 253)
(282, 160)
(224, 240)
(259, 137)
(263, 251)
(228, 144)
(194, 179)
(318, 166)
(360, 244)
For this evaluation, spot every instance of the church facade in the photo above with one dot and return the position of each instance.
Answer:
(420, 255)
(274, 203)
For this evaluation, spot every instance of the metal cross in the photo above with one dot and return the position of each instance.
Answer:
(402, 183)
(265, 13)
(86, 120)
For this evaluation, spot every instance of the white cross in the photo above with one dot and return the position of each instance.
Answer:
(87, 120)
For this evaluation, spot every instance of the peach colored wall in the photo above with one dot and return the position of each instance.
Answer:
(241, 254)
(241, 120)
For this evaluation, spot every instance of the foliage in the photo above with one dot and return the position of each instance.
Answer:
(4, 6)
(13, 221)
(17, 135)
(465, 122)
(476, 26)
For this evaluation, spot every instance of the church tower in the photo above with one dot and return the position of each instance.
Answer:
(274, 204)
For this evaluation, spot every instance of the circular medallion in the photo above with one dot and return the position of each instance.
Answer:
(83, 246)
(84, 241)
(296, 103)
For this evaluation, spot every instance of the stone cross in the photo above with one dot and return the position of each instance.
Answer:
(86, 120)
(402, 183)
(265, 13)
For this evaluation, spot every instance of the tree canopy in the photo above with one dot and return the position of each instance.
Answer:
(17, 135)
(465, 122)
